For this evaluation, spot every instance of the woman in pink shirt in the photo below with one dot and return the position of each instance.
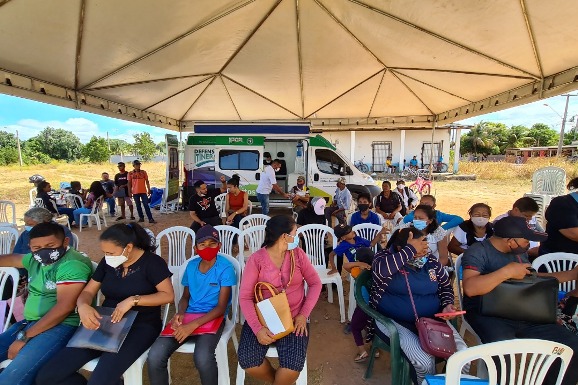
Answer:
(272, 264)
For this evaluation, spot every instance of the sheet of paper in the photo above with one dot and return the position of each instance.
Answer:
(273, 321)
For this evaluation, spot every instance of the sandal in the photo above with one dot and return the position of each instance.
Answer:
(361, 357)
(376, 355)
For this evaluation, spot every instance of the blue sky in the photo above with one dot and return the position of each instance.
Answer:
(30, 117)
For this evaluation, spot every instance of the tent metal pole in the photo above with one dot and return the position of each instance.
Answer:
(433, 131)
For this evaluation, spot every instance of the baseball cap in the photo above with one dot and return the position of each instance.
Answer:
(342, 180)
(341, 230)
(207, 232)
(319, 205)
(301, 177)
(136, 161)
(120, 164)
(517, 227)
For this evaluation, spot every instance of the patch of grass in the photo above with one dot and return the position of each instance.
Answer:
(505, 170)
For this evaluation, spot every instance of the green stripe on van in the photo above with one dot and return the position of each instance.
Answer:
(222, 140)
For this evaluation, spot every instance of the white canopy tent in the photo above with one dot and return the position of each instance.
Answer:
(347, 64)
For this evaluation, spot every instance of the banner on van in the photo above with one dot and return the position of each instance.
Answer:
(233, 140)
(172, 183)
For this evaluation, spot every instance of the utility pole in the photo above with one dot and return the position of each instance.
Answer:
(19, 150)
(561, 140)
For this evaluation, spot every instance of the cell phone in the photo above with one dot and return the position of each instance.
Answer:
(455, 313)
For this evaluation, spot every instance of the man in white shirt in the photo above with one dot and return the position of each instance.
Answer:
(408, 198)
(268, 183)
(341, 202)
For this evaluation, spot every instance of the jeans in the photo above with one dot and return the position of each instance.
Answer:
(68, 212)
(204, 358)
(359, 321)
(77, 212)
(111, 205)
(23, 369)
(138, 198)
(264, 202)
(491, 329)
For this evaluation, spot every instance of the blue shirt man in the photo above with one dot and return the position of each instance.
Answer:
(447, 221)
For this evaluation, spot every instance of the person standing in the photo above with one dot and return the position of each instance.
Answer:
(140, 188)
(108, 186)
(562, 225)
(268, 183)
(121, 192)
(202, 205)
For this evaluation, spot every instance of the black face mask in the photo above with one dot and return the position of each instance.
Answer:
(363, 207)
(520, 250)
(49, 256)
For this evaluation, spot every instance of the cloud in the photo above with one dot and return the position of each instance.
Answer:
(83, 128)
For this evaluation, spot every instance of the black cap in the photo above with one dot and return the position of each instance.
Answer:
(119, 164)
(266, 155)
(341, 230)
(207, 232)
(136, 161)
(517, 227)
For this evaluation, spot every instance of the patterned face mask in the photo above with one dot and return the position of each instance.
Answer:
(418, 263)
(49, 256)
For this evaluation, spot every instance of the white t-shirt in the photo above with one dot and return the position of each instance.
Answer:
(267, 180)
(462, 237)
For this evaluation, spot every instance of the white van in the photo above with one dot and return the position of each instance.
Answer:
(215, 150)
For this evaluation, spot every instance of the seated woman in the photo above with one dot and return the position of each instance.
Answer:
(406, 257)
(131, 277)
(42, 191)
(210, 278)
(313, 214)
(76, 188)
(273, 264)
(237, 202)
(96, 191)
(425, 220)
(473, 230)
(388, 204)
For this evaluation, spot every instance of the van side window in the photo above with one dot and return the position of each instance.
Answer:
(328, 162)
(239, 160)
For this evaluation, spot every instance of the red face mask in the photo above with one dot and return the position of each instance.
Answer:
(208, 253)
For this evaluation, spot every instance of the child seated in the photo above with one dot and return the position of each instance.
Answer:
(348, 244)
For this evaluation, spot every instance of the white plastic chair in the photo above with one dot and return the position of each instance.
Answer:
(7, 213)
(8, 238)
(526, 361)
(96, 213)
(272, 353)
(229, 329)
(220, 204)
(177, 243)
(73, 201)
(253, 237)
(132, 376)
(253, 220)
(313, 240)
(227, 235)
(555, 262)
(32, 195)
(5, 274)
(75, 242)
(549, 181)
(367, 231)
(543, 202)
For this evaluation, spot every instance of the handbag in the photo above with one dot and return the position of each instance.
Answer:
(274, 312)
(435, 337)
(531, 299)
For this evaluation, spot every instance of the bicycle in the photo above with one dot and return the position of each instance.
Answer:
(421, 186)
(361, 166)
(411, 173)
(437, 167)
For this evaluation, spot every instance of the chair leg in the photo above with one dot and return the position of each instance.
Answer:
(330, 292)
(341, 301)
(302, 379)
(369, 370)
(222, 363)
(240, 375)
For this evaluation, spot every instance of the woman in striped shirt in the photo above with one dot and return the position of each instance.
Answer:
(407, 256)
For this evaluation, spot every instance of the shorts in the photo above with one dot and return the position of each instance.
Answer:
(123, 200)
(292, 350)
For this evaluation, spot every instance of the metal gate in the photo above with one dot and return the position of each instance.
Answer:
(426, 149)
(380, 152)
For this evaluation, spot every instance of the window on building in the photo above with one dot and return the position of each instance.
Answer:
(239, 160)
(380, 152)
(328, 162)
(426, 152)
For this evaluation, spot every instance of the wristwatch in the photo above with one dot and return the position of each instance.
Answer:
(21, 336)
(135, 300)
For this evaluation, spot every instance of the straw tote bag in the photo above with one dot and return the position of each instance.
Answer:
(274, 313)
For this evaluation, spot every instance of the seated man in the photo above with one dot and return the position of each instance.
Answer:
(527, 208)
(389, 164)
(108, 186)
(313, 213)
(300, 194)
(413, 163)
(503, 256)
(202, 206)
(341, 202)
(57, 275)
(388, 204)
(447, 221)
(364, 214)
(76, 188)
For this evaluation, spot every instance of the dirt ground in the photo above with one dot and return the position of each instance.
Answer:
(330, 353)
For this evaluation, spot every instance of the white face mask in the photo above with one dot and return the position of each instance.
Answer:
(115, 261)
(400, 186)
(480, 221)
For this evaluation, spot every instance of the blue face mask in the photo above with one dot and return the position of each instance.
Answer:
(294, 244)
(28, 228)
(419, 224)
(418, 263)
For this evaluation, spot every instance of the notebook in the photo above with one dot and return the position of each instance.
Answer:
(211, 327)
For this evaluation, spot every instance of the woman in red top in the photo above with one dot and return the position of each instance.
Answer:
(237, 202)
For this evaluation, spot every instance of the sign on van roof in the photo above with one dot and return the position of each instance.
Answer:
(233, 140)
(240, 129)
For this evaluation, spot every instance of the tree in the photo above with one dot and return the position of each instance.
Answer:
(144, 146)
(543, 135)
(96, 150)
(57, 144)
(569, 137)
(162, 147)
(7, 139)
(8, 148)
(478, 140)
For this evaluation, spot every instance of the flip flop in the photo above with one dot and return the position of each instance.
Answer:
(361, 357)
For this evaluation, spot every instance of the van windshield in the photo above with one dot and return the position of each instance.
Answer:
(328, 162)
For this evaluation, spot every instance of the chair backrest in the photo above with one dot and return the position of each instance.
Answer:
(555, 262)
(367, 231)
(38, 202)
(177, 245)
(543, 202)
(458, 271)
(5, 274)
(227, 235)
(519, 361)
(32, 194)
(73, 201)
(253, 220)
(549, 181)
(178, 287)
(99, 295)
(74, 242)
(8, 212)
(220, 203)
(97, 205)
(313, 241)
(8, 237)
(253, 237)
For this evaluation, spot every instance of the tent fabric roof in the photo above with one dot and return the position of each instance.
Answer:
(379, 62)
